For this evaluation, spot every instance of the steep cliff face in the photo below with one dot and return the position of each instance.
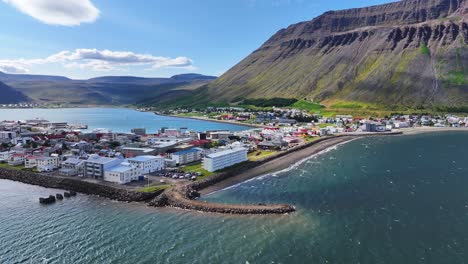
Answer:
(410, 52)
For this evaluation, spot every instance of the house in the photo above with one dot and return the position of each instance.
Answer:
(223, 159)
(273, 144)
(187, 156)
(95, 165)
(148, 164)
(72, 167)
(31, 161)
(122, 173)
(16, 159)
(4, 156)
(47, 163)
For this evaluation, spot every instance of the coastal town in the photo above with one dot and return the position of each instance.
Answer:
(154, 161)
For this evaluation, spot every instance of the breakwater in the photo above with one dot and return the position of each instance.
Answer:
(75, 185)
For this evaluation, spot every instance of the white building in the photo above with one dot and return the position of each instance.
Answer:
(7, 135)
(187, 156)
(47, 163)
(96, 165)
(123, 173)
(4, 156)
(16, 159)
(30, 161)
(148, 164)
(72, 167)
(224, 159)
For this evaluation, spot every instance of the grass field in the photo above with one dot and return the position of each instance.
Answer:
(308, 106)
(6, 166)
(254, 156)
(154, 188)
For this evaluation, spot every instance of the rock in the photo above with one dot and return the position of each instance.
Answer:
(59, 196)
(48, 200)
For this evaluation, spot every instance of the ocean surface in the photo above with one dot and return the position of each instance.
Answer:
(115, 119)
(400, 199)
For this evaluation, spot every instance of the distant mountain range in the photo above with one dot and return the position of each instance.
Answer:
(407, 53)
(107, 90)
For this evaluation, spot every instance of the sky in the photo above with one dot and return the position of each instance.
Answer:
(82, 39)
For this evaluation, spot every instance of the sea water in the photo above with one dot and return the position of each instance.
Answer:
(399, 199)
(115, 119)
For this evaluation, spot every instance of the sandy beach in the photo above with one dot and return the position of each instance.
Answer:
(278, 164)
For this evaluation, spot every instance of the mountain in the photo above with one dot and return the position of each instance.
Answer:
(192, 77)
(406, 53)
(106, 90)
(10, 95)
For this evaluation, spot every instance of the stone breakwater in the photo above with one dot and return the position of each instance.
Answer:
(76, 185)
(183, 196)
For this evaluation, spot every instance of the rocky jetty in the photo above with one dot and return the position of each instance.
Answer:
(75, 185)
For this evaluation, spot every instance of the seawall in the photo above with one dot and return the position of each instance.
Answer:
(76, 185)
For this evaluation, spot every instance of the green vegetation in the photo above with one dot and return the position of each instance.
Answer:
(154, 188)
(424, 49)
(258, 155)
(355, 105)
(308, 106)
(6, 166)
(311, 139)
(278, 102)
(457, 78)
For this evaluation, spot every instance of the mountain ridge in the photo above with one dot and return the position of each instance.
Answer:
(409, 53)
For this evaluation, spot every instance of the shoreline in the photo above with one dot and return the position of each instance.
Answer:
(185, 196)
(278, 164)
(292, 158)
(214, 120)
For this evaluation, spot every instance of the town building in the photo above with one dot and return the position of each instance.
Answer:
(139, 131)
(7, 136)
(30, 161)
(16, 159)
(122, 173)
(72, 167)
(96, 165)
(223, 159)
(129, 152)
(47, 163)
(187, 156)
(148, 164)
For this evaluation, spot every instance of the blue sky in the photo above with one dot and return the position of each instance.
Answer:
(88, 38)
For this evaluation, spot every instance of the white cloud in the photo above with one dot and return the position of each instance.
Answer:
(98, 60)
(12, 67)
(58, 12)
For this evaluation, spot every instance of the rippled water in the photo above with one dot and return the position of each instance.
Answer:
(116, 119)
(375, 200)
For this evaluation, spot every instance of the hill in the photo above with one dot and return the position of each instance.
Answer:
(106, 90)
(410, 53)
(10, 95)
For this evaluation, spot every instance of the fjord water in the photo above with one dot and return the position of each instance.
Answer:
(401, 199)
(115, 119)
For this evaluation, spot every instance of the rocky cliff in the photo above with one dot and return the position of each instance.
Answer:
(412, 52)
